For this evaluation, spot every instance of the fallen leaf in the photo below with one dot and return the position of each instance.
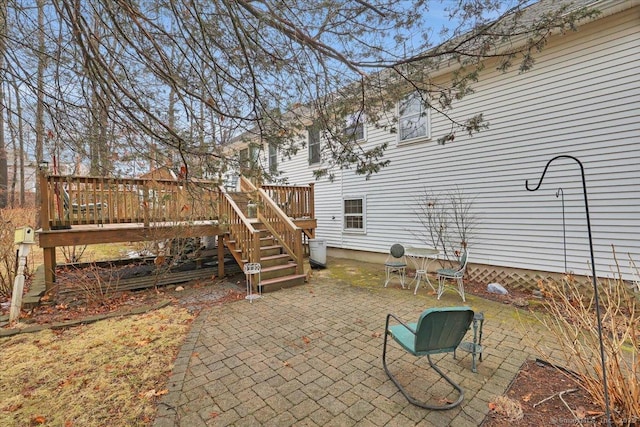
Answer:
(12, 408)
(492, 406)
(148, 394)
(526, 397)
(162, 392)
(581, 413)
(68, 424)
(213, 414)
(38, 419)
(285, 363)
(376, 335)
(306, 340)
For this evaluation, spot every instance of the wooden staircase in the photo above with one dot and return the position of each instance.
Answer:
(279, 269)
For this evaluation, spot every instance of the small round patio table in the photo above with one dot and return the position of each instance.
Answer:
(421, 257)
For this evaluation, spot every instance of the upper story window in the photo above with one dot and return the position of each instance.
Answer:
(248, 158)
(413, 118)
(314, 144)
(273, 158)
(243, 159)
(355, 129)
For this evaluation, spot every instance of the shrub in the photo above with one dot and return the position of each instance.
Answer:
(573, 322)
(448, 222)
(9, 220)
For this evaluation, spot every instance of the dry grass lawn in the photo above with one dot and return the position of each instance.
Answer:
(107, 373)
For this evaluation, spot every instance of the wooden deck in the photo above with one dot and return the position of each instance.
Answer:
(93, 210)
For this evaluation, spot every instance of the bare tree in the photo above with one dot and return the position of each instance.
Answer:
(3, 149)
(189, 75)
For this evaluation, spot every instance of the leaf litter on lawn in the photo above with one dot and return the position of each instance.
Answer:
(106, 373)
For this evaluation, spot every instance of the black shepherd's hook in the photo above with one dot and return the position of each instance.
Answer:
(593, 274)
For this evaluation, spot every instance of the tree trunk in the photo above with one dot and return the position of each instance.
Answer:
(3, 150)
(39, 119)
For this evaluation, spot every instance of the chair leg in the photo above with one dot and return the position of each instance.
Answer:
(440, 286)
(461, 288)
(399, 271)
(412, 400)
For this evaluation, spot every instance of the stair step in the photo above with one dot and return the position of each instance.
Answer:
(275, 271)
(267, 241)
(275, 284)
(267, 251)
(279, 259)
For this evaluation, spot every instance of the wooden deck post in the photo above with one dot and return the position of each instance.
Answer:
(44, 200)
(312, 208)
(49, 254)
(220, 255)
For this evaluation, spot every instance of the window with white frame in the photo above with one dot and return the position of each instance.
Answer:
(254, 154)
(273, 158)
(413, 118)
(249, 158)
(354, 214)
(314, 144)
(355, 129)
(243, 159)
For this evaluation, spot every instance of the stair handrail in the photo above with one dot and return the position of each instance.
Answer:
(283, 229)
(240, 229)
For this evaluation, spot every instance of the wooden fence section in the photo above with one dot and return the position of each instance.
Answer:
(295, 201)
(78, 200)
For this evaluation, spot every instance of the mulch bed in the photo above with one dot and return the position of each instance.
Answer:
(542, 395)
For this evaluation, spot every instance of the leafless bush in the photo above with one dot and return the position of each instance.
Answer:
(73, 254)
(573, 322)
(95, 284)
(9, 220)
(447, 220)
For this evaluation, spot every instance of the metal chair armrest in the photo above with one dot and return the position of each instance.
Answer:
(400, 321)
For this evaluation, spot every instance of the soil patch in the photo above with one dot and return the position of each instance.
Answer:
(74, 302)
(543, 395)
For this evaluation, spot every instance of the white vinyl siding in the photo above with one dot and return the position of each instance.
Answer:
(582, 99)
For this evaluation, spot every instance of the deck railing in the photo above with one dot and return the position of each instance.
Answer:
(76, 200)
(246, 237)
(295, 201)
(277, 222)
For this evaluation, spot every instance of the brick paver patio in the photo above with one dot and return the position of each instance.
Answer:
(311, 356)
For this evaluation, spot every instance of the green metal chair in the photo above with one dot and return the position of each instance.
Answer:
(439, 330)
(396, 264)
(456, 274)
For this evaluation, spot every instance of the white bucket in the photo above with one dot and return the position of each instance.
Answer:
(318, 252)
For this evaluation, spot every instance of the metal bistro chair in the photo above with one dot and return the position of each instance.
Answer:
(438, 330)
(251, 269)
(396, 264)
(456, 274)
(72, 210)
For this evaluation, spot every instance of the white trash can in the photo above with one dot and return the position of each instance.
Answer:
(318, 253)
